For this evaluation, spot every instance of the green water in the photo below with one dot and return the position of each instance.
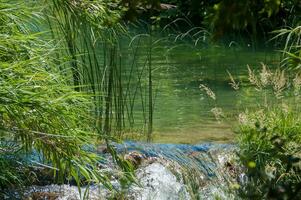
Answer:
(182, 111)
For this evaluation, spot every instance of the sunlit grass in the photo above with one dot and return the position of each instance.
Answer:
(40, 111)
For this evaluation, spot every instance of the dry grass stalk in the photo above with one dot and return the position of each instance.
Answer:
(297, 83)
(243, 118)
(279, 82)
(218, 113)
(233, 83)
(265, 75)
(253, 78)
(208, 91)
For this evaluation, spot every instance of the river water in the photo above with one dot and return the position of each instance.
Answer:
(182, 112)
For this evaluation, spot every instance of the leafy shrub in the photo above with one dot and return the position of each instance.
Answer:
(38, 110)
(269, 142)
(269, 138)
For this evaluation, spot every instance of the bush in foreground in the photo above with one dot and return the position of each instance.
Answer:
(269, 138)
(39, 110)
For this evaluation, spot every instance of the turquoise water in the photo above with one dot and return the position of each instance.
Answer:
(182, 111)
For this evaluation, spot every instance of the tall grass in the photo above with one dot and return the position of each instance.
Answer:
(80, 24)
(269, 141)
(94, 38)
(292, 49)
(39, 110)
(268, 136)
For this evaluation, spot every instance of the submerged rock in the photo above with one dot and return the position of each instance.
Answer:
(135, 158)
(158, 183)
(43, 195)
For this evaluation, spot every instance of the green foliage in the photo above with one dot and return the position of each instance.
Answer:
(195, 10)
(269, 138)
(239, 15)
(99, 14)
(98, 54)
(292, 48)
(229, 18)
(191, 179)
(133, 8)
(270, 149)
(38, 109)
(13, 173)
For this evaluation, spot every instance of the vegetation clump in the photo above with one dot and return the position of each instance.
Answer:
(41, 114)
(65, 88)
(269, 139)
(270, 149)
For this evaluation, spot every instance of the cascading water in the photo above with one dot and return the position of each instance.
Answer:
(164, 171)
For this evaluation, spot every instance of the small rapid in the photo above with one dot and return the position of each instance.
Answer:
(163, 172)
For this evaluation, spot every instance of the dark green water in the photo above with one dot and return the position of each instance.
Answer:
(182, 111)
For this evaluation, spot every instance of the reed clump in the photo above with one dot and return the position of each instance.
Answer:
(45, 122)
(291, 54)
(105, 62)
